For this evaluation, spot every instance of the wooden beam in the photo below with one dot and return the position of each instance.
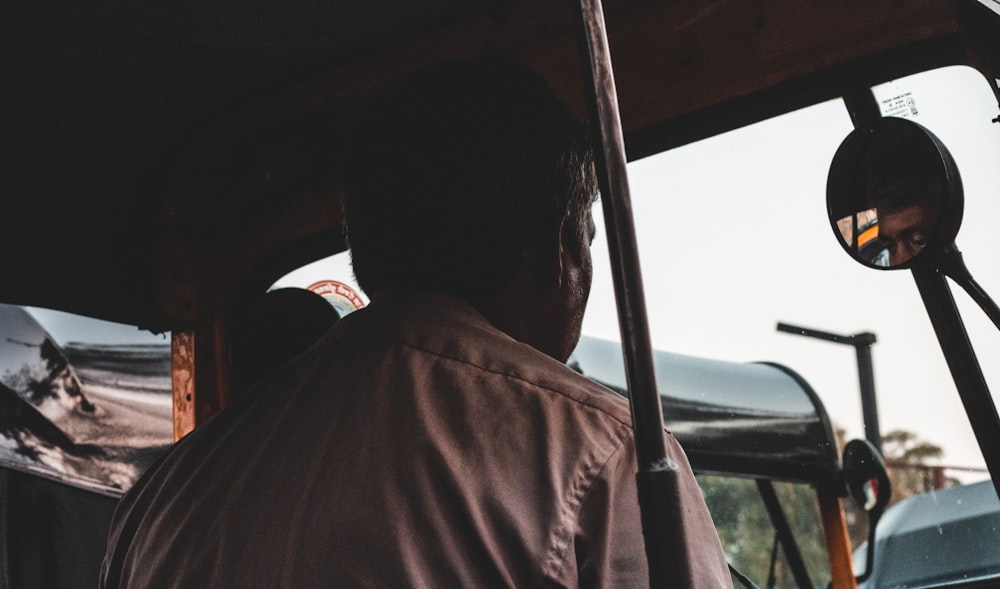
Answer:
(182, 363)
(838, 543)
(200, 374)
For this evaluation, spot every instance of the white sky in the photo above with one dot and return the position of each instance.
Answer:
(734, 238)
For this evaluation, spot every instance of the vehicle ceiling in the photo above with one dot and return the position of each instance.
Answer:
(157, 150)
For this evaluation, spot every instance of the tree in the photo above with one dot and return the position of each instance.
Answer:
(907, 457)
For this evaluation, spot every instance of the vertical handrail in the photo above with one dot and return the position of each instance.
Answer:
(657, 476)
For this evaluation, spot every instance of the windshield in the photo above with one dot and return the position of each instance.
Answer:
(734, 238)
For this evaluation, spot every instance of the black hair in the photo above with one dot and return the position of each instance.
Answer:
(904, 174)
(457, 172)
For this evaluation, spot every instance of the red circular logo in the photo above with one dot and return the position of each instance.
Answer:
(343, 298)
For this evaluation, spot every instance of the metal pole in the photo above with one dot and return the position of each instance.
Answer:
(869, 409)
(657, 476)
(962, 363)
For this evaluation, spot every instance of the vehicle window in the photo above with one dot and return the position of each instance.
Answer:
(750, 533)
(85, 402)
(734, 238)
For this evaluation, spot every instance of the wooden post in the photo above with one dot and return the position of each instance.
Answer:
(838, 543)
(182, 354)
(200, 375)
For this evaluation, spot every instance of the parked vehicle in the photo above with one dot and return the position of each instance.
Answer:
(945, 538)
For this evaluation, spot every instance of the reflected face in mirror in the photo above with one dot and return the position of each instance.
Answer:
(905, 231)
(906, 191)
(866, 476)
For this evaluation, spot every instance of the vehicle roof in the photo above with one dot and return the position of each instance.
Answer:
(153, 160)
(945, 538)
(754, 419)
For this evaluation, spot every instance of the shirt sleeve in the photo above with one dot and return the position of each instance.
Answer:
(609, 549)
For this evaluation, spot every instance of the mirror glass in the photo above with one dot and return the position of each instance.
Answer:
(868, 482)
(893, 193)
(866, 476)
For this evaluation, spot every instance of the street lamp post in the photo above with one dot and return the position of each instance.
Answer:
(862, 343)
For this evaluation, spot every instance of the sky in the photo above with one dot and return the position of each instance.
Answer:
(734, 238)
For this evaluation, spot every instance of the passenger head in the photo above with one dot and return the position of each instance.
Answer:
(463, 175)
(906, 190)
(271, 329)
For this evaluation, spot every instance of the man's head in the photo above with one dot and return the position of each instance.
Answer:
(466, 179)
(905, 231)
(906, 190)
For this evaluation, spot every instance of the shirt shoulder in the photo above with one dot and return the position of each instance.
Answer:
(454, 331)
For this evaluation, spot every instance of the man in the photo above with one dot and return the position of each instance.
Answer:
(906, 230)
(435, 438)
(906, 188)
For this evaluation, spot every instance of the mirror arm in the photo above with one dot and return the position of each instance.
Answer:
(962, 362)
(862, 106)
(864, 469)
(953, 266)
(870, 549)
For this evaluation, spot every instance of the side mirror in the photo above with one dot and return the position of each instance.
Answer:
(894, 194)
(868, 482)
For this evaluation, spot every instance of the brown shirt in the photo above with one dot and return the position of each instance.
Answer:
(415, 445)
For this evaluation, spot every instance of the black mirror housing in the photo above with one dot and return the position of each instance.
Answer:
(866, 476)
(867, 480)
(893, 194)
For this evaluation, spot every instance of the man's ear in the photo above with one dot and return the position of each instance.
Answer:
(548, 258)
